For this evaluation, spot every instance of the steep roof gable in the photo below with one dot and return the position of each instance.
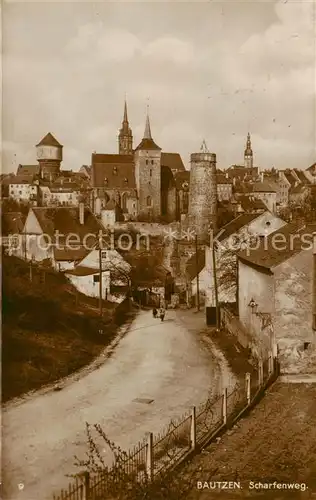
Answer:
(49, 140)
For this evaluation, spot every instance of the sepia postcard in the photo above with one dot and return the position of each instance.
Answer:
(158, 248)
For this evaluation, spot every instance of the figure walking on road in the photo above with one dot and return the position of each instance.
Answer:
(162, 313)
(155, 312)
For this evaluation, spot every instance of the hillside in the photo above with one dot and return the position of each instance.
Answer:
(49, 330)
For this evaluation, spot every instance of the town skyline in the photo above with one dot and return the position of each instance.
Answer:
(210, 71)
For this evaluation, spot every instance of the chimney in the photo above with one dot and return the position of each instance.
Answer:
(226, 175)
(262, 176)
(81, 213)
(234, 181)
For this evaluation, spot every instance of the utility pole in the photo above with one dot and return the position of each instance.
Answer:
(31, 270)
(100, 277)
(197, 274)
(215, 286)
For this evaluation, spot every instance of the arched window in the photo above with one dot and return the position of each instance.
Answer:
(148, 201)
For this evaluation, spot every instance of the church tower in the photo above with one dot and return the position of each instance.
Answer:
(125, 137)
(147, 159)
(248, 157)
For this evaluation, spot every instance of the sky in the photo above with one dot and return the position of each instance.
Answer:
(207, 70)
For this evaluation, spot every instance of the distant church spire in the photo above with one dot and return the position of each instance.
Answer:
(125, 137)
(147, 133)
(125, 119)
(248, 156)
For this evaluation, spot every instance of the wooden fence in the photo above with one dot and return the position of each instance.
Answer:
(159, 454)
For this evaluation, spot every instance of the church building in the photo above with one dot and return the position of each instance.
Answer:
(140, 181)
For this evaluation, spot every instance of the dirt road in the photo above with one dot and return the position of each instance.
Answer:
(165, 362)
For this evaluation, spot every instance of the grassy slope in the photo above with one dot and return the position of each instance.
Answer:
(47, 332)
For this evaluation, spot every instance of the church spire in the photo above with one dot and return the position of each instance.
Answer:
(125, 137)
(125, 119)
(147, 133)
(248, 156)
(147, 141)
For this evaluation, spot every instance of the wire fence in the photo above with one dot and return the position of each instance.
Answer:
(158, 454)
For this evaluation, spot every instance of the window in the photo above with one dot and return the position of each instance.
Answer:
(150, 172)
(96, 278)
(152, 162)
(126, 180)
(146, 162)
(103, 254)
(106, 180)
(148, 201)
(115, 170)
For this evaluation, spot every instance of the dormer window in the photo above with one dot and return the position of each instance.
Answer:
(126, 180)
(115, 170)
(106, 181)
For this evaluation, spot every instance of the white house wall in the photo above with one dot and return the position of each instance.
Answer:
(87, 286)
(259, 286)
(293, 307)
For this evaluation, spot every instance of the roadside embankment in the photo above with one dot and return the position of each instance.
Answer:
(48, 330)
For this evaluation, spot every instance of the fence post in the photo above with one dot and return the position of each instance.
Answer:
(270, 365)
(248, 387)
(260, 372)
(193, 428)
(225, 406)
(86, 485)
(149, 456)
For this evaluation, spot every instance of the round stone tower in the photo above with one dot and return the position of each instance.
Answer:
(203, 192)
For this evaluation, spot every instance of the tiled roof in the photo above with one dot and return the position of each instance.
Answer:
(181, 177)
(21, 179)
(147, 144)
(263, 187)
(236, 224)
(49, 140)
(66, 220)
(12, 223)
(221, 179)
(297, 189)
(31, 170)
(249, 204)
(6, 179)
(302, 177)
(289, 177)
(173, 161)
(194, 268)
(269, 256)
(113, 171)
(70, 254)
(82, 271)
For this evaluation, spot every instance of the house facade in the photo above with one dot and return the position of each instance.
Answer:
(276, 295)
(87, 281)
